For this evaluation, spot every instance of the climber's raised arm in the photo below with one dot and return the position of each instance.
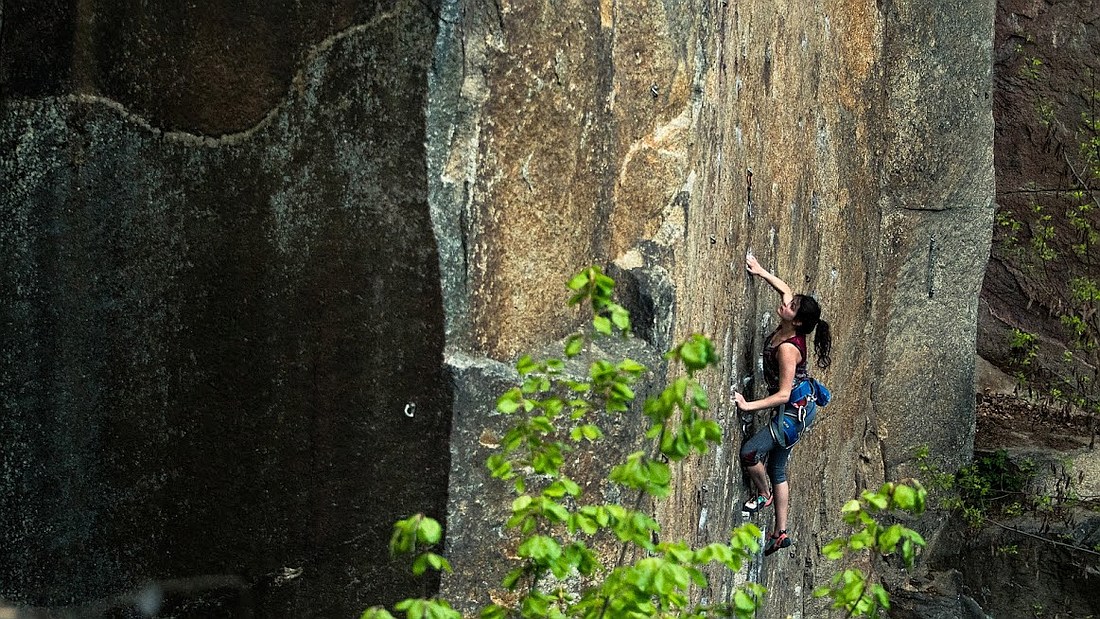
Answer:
(753, 266)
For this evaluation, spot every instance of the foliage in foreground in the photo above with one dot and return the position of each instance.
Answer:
(558, 574)
(851, 589)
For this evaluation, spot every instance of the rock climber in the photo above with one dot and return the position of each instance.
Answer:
(785, 366)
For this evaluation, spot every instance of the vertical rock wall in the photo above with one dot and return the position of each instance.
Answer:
(223, 329)
(1047, 58)
(218, 341)
(847, 144)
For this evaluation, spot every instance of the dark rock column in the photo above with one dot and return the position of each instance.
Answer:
(937, 191)
(222, 356)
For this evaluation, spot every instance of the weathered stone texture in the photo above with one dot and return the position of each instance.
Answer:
(222, 360)
(1038, 110)
(846, 144)
(246, 320)
(204, 68)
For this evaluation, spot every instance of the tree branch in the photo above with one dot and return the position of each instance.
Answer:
(1044, 539)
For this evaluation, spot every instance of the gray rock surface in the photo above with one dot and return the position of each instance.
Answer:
(849, 147)
(245, 320)
(222, 356)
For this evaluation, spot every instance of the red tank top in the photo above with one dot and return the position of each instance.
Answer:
(771, 361)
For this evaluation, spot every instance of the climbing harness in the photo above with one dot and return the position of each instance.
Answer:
(800, 411)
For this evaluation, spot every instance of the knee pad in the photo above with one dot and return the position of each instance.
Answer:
(748, 458)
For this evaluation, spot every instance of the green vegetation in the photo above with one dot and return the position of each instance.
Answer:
(1061, 267)
(995, 488)
(991, 486)
(850, 589)
(557, 572)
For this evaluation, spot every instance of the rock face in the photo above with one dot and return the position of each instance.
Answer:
(222, 367)
(219, 341)
(832, 140)
(1046, 60)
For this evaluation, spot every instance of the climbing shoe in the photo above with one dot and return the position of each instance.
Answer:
(756, 503)
(776, 541)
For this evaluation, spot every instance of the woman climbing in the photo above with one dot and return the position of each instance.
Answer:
(785, 367)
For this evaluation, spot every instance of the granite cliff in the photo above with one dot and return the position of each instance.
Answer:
(265, 266)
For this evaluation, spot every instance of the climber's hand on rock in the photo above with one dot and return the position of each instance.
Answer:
(753, 266)
(739, 399)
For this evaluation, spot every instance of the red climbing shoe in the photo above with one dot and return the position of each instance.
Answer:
(776, 541)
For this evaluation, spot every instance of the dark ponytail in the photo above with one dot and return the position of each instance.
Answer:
(809, 318)
(823, 344)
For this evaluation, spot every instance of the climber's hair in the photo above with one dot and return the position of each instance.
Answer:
(808, 318)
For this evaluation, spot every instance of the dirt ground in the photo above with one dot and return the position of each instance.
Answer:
(1010, 421)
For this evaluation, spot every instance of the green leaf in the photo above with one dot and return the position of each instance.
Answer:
(429, 560)
(620, 317)
(861, 540)
(440, 563)
(499, 466)
(578, 281)
(602, 324)
(526, 365)
(376, 612)
(429, 531)
(905, 497)
(604, 283)
(584, 522)
(574, 345)
(691, 355)
(571, 487)
(743, 602)
(553, 406)
(712, 431)
(511, 578)
(510, 401)
(907, 553)
(542, 424)
(521, 503)
(622, 391)
(591, 432)
(540, 548)
(877, 500)
(493, 611)
(745, 538)
(888, 539)
(555, 512)
(916, 537)
(658, 472)
(699, 397)
(680, 552)
(555, 490)
(881, 596)
(834, 549)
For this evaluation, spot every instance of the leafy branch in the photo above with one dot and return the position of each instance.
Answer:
(553, 412)
(558, 573)
(851, 589)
